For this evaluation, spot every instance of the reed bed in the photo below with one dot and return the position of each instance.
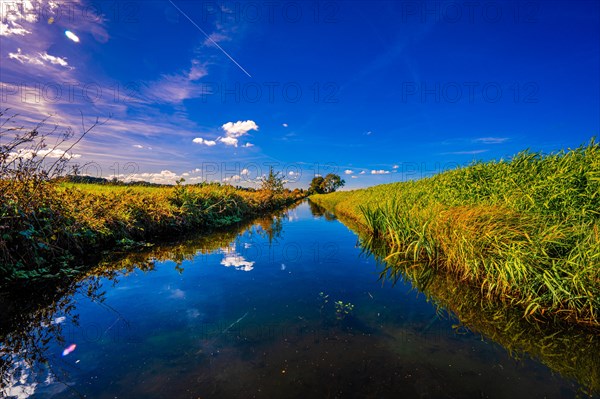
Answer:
(525, 231)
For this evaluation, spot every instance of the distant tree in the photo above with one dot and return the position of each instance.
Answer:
(272, 182)
(327, 184)
(317, 185)
(333, 182)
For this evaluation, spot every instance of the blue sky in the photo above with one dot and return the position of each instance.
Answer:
(375, 91)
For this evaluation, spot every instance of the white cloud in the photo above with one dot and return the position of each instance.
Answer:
(380, 172)
(348, 171)
(229, 141)
(232, 178)
(284, 125)
(491, 140)
(239, 128)
(177, 87)
(138, 146)
(354, 177)
(39, 59)
(472, 152)
(162, 177)
(30, 154)
(12, 28)
(216, 37)
(200, 140)
(233, 131)
(197, 71)
(362, 172)
(16, 12)
(395, 166)
(244, 172)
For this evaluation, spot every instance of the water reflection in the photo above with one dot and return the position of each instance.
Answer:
(183, 320)
(233, 258)
(33, 320)
(566, 349)
(319, 211)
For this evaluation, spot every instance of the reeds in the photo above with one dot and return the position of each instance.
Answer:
(524, 231)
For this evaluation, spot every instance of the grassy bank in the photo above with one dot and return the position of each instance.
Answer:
(47, 228)
(524, 231)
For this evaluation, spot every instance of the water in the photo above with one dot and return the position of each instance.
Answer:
(288, 306)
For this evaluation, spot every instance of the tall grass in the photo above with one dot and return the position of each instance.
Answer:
(524, 231)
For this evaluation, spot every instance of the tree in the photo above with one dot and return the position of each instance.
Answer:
(333, 182)
(272, 182)
(327, 184)
(317, 185)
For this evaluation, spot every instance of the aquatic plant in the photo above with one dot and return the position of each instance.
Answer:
(342, 310)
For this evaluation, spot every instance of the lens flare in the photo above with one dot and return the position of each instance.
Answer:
(68, 350)
(72, 36)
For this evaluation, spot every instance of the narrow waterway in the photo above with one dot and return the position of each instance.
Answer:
(287, 306)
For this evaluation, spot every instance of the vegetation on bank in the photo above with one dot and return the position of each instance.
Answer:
(47, 225)
(328, 184)
(525, 231)
(52, 219)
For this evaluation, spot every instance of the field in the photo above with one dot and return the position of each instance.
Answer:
(49, 229)
(524, 231)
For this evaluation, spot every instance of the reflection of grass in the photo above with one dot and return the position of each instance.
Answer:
(46, 227)
(564, 347)
(525, 231)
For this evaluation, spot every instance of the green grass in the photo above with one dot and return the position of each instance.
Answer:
(47, 228)
(524, 231)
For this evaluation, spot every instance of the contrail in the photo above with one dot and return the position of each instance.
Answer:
(209, 38)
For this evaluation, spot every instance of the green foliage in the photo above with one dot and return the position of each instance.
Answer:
(317, 185)
(47, 226)
(327, 184)
(524, 231)
(273, 182)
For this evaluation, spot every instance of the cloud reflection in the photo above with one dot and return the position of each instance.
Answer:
(233, 259)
